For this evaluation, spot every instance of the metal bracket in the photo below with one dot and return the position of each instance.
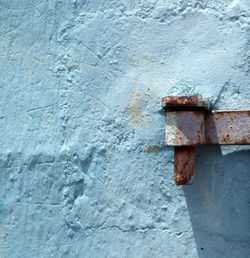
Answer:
(190, 123)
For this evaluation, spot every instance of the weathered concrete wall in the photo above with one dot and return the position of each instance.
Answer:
(83, 167)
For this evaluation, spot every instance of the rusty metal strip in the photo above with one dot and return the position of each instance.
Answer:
(227, 127)
(184, 165)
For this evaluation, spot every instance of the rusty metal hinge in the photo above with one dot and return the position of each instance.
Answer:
(190, 123)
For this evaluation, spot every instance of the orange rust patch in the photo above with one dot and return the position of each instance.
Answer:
(184, 165)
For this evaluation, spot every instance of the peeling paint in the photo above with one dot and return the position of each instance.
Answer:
(135, 108)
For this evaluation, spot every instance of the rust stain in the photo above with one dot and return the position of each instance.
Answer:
(178, 137)
(180, 100)
(184, 165)
(152, 149)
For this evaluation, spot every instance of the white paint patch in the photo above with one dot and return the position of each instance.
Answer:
(171, 128)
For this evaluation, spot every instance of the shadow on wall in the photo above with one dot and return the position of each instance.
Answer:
(218, 203)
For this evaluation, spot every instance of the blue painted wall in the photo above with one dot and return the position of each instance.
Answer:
(84, 171)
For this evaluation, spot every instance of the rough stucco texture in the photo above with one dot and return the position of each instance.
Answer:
(84, 171)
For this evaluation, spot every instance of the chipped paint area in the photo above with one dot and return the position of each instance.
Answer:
(135, 110)
(171, 128)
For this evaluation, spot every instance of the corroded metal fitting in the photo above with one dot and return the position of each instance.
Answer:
(190, 123)
(185, 102)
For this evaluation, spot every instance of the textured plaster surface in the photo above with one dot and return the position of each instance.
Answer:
(84, 171)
